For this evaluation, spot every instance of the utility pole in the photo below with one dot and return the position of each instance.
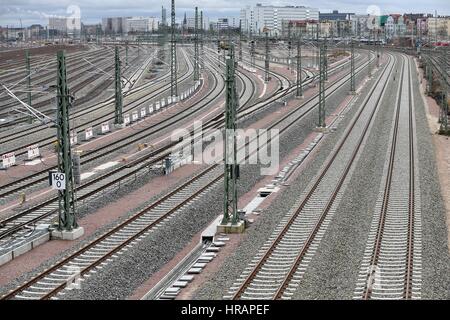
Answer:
(267, 63)
(252, 50)
(231, 173)
(378, 46)
(352, 67)
(196, 71)
(201, 32)
(321, 122)
(66, 197)
(27, 62)
(318, 46)
(139, 47)
(240, 40)
(369, 66)
(325, 58)
(299, 92)
(429, 71)
(173, 55)
(118, 119)
(289, 44)
(126, 53)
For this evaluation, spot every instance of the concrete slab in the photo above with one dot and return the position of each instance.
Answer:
(21, 250)
(180, 284)
(199, 265)
(229, 228)
(187, 277)
(194, 270)
(41, 239)
(68, 235)
(172, 290)
(4, 258)
(205, 259)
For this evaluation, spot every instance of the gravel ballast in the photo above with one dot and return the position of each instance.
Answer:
(121, 277)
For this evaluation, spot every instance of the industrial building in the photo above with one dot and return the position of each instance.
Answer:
(258, 18)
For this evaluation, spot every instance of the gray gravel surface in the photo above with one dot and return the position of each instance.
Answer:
(435, 253)
(119, 278)
(334, 269)
(148, 256)
(216, 287)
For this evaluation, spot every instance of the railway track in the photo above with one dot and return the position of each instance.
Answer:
(392, 263)
(10, 225)
(93, 187)
(277, 269)
(76, 87)
(76, 70)
(48, 140)
(14, 187)
(112, 243)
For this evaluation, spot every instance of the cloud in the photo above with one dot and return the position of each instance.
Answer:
(37, 11)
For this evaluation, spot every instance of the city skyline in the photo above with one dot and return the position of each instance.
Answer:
(28, 12)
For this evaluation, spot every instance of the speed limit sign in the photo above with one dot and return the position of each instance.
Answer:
(58, 180)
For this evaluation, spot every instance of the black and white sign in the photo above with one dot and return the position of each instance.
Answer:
(150, 109)
(33, 151)
(143, 112)
(8, 159)
(58, 180)
(134, 116)
(88, 133)
(126, 119)
(105, 127)
(73, 138)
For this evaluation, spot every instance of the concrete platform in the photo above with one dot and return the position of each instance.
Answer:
(67, 235)
(229, 228)
(22, 245)
(322, 129)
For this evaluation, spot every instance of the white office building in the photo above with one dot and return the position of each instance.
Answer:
(256, 19)
(140, 24)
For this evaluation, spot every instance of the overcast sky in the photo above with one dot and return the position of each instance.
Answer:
(37, 11)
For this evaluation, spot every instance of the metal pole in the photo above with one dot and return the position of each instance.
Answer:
(352, 67)
(27, 62)
(66, 197)
(325, 58)
(378, 46)
(231, 167)
(240, 40)
(118, 119)
(429, 77)
(299, 92)
(201, 32)
(289, 44)
(369, 66)
(196, 71)
(267, 63)
(321, 122)
(252, 51)
(173, 55)
(126, 53)
(318, 46)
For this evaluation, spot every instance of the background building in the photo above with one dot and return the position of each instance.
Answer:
(335, 15)
(255, 19)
